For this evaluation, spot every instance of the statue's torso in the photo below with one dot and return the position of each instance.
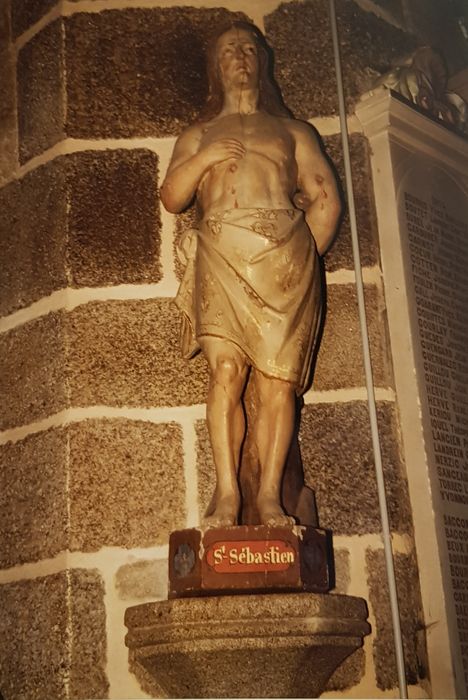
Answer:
(267, 174)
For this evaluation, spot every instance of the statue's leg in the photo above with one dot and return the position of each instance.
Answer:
(226, 425)
(273, 433)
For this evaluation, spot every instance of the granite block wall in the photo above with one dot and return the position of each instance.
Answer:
(103, 443)
(53, 636)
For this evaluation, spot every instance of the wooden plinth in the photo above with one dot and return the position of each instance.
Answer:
(249, 558)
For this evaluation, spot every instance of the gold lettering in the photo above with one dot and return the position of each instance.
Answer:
(233, 556)
(218, 554)
(274, 555)
(287, 557)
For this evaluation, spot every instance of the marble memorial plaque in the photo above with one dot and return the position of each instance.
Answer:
(432, 210)
(420, 182)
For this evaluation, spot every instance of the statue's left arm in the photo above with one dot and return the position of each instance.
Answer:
(318, 186)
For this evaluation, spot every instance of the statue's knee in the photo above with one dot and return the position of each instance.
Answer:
(275, 394)
(227, 370)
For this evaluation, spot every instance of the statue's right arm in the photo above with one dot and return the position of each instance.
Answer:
(189, 164)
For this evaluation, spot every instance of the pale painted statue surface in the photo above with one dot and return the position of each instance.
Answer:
(251, 296)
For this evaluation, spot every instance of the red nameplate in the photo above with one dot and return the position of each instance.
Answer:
(238, 559)
(245, 556)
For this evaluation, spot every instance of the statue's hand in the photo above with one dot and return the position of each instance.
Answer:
(187, 246)
(219, 151)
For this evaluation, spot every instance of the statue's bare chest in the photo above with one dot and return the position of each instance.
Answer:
(260, 133)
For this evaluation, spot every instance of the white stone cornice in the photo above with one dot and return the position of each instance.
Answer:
(382, 113)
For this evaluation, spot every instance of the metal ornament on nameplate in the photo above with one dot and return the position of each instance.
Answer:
(249, 558)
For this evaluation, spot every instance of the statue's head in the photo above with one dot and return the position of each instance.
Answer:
(270, 99)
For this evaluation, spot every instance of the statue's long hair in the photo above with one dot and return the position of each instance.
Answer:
(270, 99)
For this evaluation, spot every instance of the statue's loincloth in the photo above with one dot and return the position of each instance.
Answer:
(253, 278)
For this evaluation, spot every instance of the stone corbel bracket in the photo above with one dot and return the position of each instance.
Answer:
(276, 645)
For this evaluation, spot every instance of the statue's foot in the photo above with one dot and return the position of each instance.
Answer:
(225, 513)
(271, 512)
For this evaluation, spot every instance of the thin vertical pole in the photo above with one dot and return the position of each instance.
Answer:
(386, 534)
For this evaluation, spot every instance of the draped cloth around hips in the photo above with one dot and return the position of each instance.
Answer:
(253, 278)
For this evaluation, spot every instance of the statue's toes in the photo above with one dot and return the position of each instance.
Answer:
(278, 520)
(219, 521)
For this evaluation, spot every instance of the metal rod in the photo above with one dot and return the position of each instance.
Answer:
(386, 534)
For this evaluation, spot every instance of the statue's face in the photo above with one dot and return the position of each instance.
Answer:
(236, 52)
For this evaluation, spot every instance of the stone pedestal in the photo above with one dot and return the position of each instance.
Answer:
(275, 645)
